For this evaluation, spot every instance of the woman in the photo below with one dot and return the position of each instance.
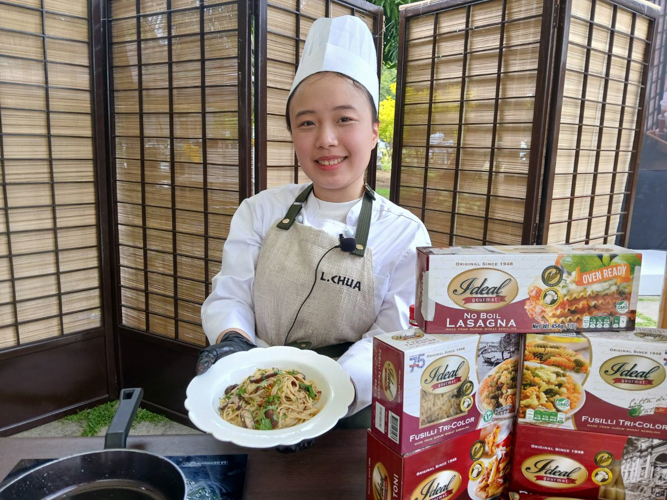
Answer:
(328, 265)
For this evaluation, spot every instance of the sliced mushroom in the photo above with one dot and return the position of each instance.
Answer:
(263, 378)
(247, 419)
(270, 414)
(234, 400)
(231, 388)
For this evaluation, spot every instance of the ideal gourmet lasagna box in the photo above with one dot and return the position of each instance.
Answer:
(601, 382)
(474, 466)
(574, 464)
(526, 289)
(429, 388)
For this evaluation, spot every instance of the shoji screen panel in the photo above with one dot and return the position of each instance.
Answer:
(471, 103)
(181, 142)
(601, 116)
(49, 250)
(656, 88)
(281, 33)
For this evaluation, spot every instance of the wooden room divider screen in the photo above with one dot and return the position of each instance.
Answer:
(481, 158)
(126, 145)
(56, 349)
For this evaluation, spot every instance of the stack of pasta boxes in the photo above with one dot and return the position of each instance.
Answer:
(591, 408)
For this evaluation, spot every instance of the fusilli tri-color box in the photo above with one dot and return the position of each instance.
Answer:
(523, 289)
(430, 388)
(611, 382)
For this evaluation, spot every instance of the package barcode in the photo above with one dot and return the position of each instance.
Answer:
(394, 426)
(379, 417)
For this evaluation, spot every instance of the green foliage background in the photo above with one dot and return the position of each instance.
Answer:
(390, 38)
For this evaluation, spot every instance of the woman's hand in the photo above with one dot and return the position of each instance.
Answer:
(229, 343)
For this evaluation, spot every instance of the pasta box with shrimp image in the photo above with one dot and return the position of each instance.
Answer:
(524, 289)
(557, 463)
(430, 388)
(473, 466)
(611, 382)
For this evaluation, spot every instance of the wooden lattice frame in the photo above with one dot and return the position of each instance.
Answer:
(181, 129)
(441, 206)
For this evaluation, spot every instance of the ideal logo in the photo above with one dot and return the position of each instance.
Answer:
(389, 380)
(554, 471)
(380, 480)
(440, 486)
(483, 289)
(633, 373)
(445, 374)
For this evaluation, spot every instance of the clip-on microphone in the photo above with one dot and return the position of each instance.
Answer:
(347, 244)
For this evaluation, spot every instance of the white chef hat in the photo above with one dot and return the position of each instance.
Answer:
(343, 45)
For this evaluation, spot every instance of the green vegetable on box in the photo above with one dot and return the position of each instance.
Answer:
(584, 262)
(629, 259)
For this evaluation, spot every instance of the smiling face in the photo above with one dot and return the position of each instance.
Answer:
(334, 133)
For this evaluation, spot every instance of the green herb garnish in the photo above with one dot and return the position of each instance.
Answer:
(308, 388)
(265, 425)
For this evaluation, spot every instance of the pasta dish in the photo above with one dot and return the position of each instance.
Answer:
(577, 301)
(543, 385)
(590, 286)
(498, 389)
(495, 476)
(555, 355)
(270, 399)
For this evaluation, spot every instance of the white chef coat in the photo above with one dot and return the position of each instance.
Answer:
(395, 234)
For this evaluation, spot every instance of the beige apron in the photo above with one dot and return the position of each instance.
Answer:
(341, 307)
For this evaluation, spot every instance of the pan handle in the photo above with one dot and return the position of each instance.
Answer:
(116, 436)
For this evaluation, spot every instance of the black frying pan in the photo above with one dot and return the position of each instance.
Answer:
(111, 474)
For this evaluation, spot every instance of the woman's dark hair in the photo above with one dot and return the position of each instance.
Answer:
(358, 85)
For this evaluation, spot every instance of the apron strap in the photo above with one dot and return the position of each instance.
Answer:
(294, 210)
(363, 226)
(364, 223)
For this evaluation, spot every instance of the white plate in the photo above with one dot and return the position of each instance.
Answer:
(204, 393)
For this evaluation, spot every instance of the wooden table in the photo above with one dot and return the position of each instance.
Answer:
(334, 468)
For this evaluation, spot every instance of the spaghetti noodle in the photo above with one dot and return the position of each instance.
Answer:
(270, 399)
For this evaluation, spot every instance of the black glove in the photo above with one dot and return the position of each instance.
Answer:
(293, 448)
(230, 343)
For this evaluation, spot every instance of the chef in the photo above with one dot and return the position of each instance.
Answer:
(329, 264)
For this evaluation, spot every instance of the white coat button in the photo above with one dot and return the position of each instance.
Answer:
(349, 233)
(285, 221)
(300, 219)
